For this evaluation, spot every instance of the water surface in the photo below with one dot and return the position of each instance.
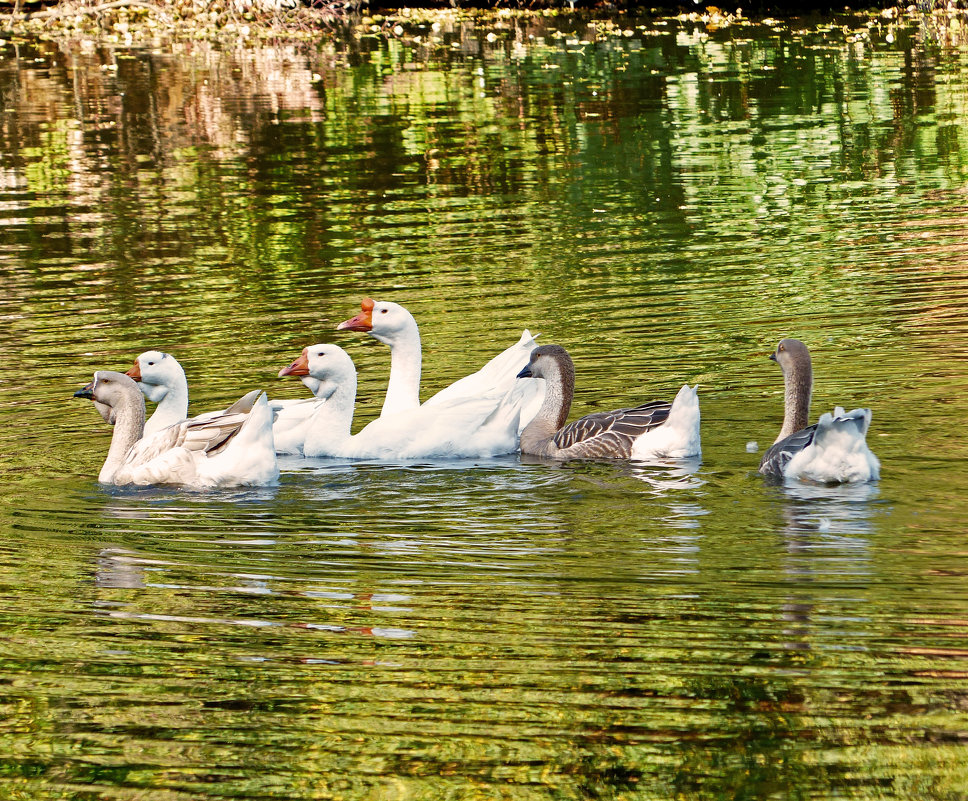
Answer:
(664, 200)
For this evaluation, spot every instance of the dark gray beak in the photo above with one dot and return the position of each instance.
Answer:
(86, 392)
(526, 372)
(773, 356)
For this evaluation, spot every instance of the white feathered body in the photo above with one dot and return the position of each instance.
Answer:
(232, 449)
(838, 451)
(678, 437)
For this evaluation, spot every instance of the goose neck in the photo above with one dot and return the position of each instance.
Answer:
(551, 417)
(797, 387)
(129, 414)
(403, 389)
(332, 419)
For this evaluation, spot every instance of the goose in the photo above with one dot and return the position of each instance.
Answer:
(162, 380)
(461, 429)
(653, 430)
(393, 325)
(834, 449)
(218, 450)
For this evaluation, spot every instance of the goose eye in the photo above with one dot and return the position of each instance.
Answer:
(384, 311)
(151, 364)
(781, 348)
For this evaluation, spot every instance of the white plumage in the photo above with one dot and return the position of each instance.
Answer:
(460, 428)
(393, 325)
(214, 450)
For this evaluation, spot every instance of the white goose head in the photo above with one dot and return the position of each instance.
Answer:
(157, 373)
(328, 367)
(383, 320)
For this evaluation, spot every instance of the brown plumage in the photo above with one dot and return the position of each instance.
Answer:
(608, 435)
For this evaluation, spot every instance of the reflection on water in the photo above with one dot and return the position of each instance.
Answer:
(666, 199)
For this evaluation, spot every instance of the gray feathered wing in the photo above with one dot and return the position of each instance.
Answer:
(775, 460)
(611, 434)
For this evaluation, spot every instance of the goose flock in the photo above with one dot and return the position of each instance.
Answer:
(518, 402)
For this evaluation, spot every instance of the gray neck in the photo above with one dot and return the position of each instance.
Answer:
(559, 391)
(797, 386)
(129, 416)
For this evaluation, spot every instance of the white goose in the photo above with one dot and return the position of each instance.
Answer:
(393, 325)
(446, 430)
(230, 449)
(834, 449)
(653, 430)
(162, 380)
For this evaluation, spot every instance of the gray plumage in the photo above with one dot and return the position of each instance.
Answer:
(780, 453)
(598, 435)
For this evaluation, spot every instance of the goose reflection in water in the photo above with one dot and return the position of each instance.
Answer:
(668, 479)
(119, 568)
(827, 531)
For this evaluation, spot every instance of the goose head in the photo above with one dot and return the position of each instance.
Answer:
(552, 363)
(323, 368)
(157, 374)
(383, 320)
(111, 391)
(791, 355)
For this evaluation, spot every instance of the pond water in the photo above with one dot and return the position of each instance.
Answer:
(665, 199)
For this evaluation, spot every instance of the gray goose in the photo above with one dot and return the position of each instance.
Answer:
(214, 450)
(655, 429)
(832, 450)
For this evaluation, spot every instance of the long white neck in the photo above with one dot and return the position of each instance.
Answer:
(330, 425)
(172, 406)
(403, 389)
(129, 423)
(797, 386)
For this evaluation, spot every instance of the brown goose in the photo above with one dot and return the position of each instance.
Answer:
(655, 429)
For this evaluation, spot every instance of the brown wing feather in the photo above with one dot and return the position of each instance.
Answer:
(610, 433)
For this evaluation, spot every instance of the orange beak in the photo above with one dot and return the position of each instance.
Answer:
(363, 321)
(298, 367)
(135, 372)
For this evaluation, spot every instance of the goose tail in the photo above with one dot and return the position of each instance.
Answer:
(839, 451)
(250, 457)
(678, 437)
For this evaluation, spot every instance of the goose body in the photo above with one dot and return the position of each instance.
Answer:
(652, 430)
(215, 450)
(445, 430)
(162, 380)
(393, 325)
(833, 450)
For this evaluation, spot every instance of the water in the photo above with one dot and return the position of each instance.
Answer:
(666, 201)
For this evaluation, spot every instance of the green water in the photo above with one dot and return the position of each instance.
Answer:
(663, 200)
